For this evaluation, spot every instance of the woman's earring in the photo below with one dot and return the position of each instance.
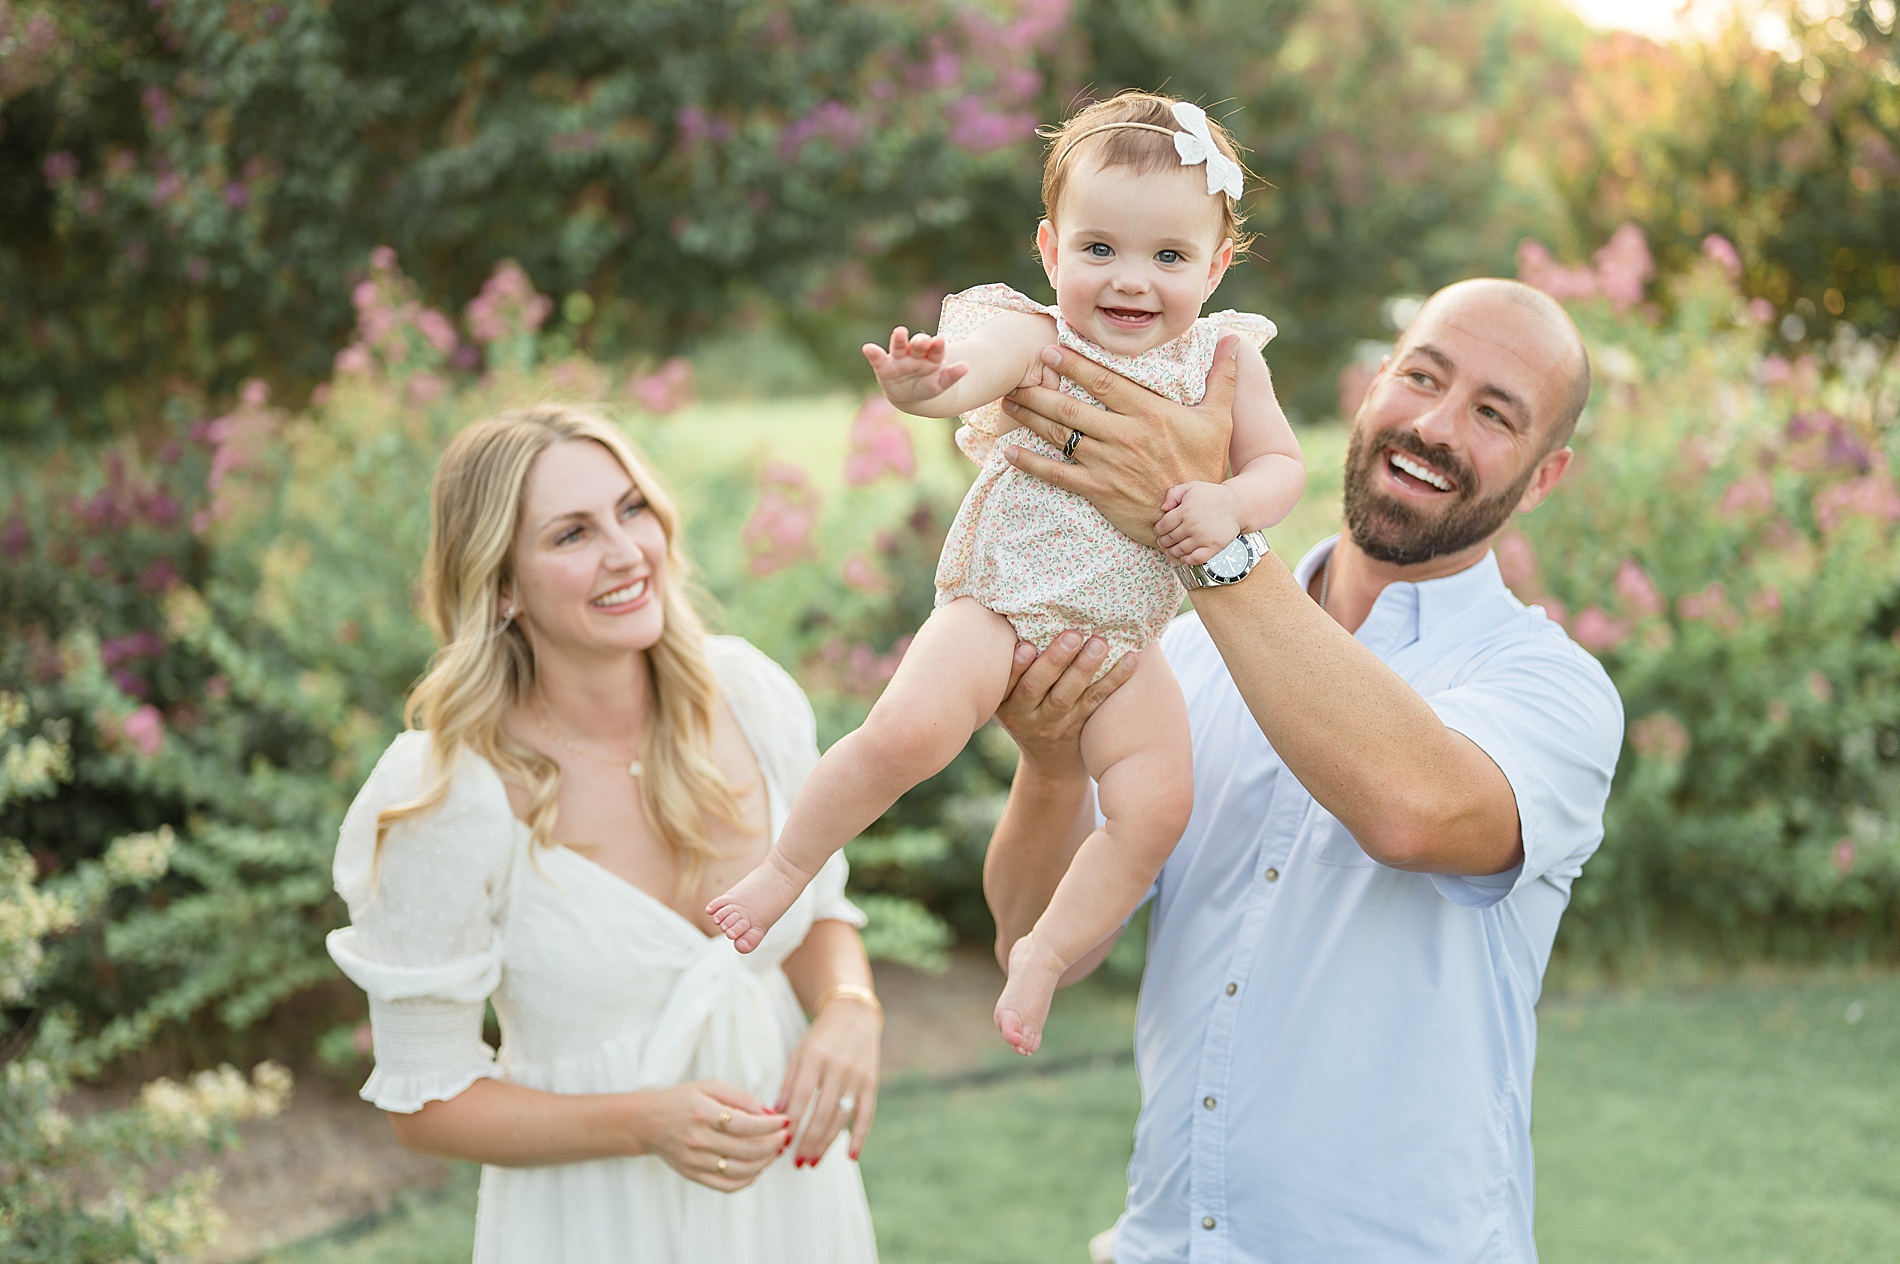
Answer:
(508, 616)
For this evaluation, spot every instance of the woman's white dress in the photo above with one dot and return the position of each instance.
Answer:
(599, 988)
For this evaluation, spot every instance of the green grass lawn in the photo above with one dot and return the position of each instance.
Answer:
(1746, 1122)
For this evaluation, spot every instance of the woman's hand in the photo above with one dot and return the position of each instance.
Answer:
(837, 1058)
(695, 1128)
(1133, 449)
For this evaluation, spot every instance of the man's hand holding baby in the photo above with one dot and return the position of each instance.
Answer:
(1198, 520)
(913, 371)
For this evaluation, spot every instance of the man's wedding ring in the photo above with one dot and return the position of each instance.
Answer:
(720, 1167)
(847, 1104)
(725, 1117)
(1068, 446)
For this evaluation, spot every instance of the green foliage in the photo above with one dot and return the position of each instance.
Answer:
(1726, 543)
(188, 186)
(48, 1158)
(1780, 135)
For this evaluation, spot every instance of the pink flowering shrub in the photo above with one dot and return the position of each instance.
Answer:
(880, 444)
(1729, 540)
(665, 390)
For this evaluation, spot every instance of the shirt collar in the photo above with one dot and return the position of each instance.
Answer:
(1407, 612)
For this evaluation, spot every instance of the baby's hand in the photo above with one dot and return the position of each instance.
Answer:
(913, 370)
(1198, 520)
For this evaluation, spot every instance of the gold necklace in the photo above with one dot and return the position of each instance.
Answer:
(633, 769)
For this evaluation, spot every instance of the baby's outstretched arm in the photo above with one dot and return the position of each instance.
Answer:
(1198, 520)
(927, 376)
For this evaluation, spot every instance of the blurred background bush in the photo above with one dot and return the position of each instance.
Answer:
(260, 261)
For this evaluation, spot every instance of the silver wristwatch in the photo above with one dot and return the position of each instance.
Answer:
(1229, 566)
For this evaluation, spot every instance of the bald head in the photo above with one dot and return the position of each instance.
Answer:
(1537, 329)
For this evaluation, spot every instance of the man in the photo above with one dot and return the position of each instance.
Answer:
(1399, 771)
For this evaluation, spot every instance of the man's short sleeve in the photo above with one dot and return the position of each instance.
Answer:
(1548, 716)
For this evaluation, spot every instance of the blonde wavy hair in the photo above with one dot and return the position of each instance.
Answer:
(484, 665)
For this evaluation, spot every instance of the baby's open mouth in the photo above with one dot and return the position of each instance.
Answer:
(1128, 315)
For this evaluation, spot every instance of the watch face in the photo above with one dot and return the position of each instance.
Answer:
(1230, 562)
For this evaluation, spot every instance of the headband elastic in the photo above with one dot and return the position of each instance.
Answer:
(1194, 143)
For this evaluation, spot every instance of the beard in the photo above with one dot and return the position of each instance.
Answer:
(1390, 530)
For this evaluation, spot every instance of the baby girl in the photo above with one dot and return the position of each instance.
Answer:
(1141, 197)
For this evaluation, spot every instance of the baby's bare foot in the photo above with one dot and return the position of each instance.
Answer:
(756, 902)
(1024, 1006)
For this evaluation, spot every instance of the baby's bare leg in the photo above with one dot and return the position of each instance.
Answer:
(1136, 747)
(950, 682)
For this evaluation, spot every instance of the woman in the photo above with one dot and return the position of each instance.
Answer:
(585, 768)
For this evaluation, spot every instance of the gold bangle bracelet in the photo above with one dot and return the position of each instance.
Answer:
(849, 992)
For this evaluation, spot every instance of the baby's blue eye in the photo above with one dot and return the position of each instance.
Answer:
(1100, 250)
(1169, 256)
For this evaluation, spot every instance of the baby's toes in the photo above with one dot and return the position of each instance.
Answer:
(750, 939)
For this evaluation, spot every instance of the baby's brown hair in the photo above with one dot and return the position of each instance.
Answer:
(1138, 148)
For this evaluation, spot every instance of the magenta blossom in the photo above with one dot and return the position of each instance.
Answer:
(1751, 495)
(59, 167)
(1539, 269)
(779, 532)
(1722, 250)
(1660, 736)
(1870, 496)
(506, 305)
(1844, 856)
(145, 729)
(1624, 267)
(1517, 561)
(880, 445)
(1597, 632)
(665, 390)
(862, 575)
(1637, 591)
(1709, 606)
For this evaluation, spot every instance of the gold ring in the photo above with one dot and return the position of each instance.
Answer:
(725, 1117)
(1068, 447)
(721, 1169)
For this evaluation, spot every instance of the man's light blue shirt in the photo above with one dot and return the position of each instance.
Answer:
(1336, 1056)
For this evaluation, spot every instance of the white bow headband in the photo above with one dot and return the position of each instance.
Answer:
(1195, 144)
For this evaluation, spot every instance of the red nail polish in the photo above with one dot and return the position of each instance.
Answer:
(854, 1156)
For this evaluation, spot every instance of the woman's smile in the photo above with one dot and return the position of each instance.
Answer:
(624, 599)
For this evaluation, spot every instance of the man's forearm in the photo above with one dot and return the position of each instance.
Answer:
(1044, 822)
(1415, 794)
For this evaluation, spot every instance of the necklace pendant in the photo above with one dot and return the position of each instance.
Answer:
(634, 769)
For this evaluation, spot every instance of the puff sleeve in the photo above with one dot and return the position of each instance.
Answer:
(425, 917)
(778, 718)
(1250, 326)
(963, 313)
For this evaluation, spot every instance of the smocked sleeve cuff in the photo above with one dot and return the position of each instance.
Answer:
(426, 1051)
(426, 1022)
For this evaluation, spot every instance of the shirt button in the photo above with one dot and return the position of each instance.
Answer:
(1207, 1222)
(1273, 875)
(1208, 1102)
(1232, 988)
